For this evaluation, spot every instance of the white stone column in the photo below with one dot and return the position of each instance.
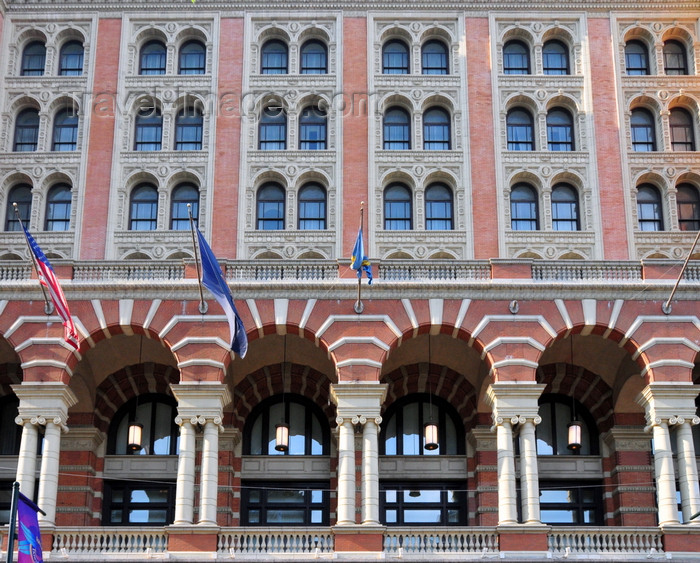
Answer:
(184, 489)
(665, 477)
(370, 471)
(346, 471)
(688, 472)
(26, 462)
(209, 480)
(48, 477)
(529, 477)
(507, 507)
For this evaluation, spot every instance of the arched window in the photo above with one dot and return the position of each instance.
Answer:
(65, 130)
(193, 58)
(636, 58)
(152, 58)
(11, 433)
(188, 129)
(565, 215)
(523, 208)
(58, 206)
(33, 59)
(22, 196)
(555, 58)
(516, 58)
(159, 436)
(274, 57)
(675, 59)
(649, 209)
(556, 412)
(312, 207)
(179, 217)
(273, 129)
(144, 208)
(434, 58)
(312, 129)
(398, 208)
(688, 201)
(642, 130)
(682, 136)
(314, 58)
(560, 130)
(397, 130)
(438, 208)
(436, 130)
(71, 59)
(149, 130)
(520, 128)
(270, 207)
(26, 131)
(395, 57)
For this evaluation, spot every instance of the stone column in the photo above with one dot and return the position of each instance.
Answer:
(210, 471)
(26, 462)
(507, 509)
(370, 471)
(184, 490)
(529, 478)
(665, 477)
(48, 479)
(346, 471)
(688, 470)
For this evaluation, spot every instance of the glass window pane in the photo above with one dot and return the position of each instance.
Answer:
(163, 424)
(297, 429)
(557, 516)
(425, 515)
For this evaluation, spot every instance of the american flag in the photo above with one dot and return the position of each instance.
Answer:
(48, 279)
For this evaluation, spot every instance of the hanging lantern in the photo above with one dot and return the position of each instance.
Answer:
(575, 430)
(134, 437)
(430, 433)
(282, 437)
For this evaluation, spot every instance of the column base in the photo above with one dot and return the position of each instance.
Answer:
(681, 538)
(192, 538)
(359, 538)
(524, 537)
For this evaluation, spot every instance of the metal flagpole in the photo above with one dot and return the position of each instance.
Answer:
(666, 307)
(48, 305)
(359, 306)
(13, 522)
(203, 307)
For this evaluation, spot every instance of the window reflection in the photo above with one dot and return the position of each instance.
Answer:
(275, 503)
(157, 415)
(414, 503)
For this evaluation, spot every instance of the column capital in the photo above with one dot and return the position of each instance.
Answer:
(514, 402)
(41, 403)
(201, 403)
(360, 401)
(670, 403)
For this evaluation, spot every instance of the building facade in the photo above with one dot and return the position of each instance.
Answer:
(528, 180)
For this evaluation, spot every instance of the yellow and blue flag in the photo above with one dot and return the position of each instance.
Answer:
(360, 262)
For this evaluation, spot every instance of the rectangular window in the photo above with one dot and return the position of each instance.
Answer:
(285, 504)
(404, 504)
(574, 504)
(144, 504)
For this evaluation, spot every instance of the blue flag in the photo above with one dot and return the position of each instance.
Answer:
(213, 280)
(360, 262)
(28, 536)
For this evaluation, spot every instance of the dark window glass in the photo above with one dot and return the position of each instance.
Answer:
(273, 129)
(314, 59)
(11, 434)
(649, 209)
(398, 209)
(577, 503)
(5, 501)
(688, 200)
(555, 58)
(682, 137)
(270, 207)
(138, 503)
(636, 58)
(152, 58)
(523, 208)
(565, 216)
(274, 58)
(26, 131)
(436, 130)
(188, 130)
(312, 207)
(402, 433)
(557, 411)
(297, 503)
(65, 130)
(395, 57)
(144, 208)
(312, 129)
(58, 205)
(643, 131)
(33, 59)
(438, 208)
(22, 196)
(397, 131)
(516, 58)
(422, 504)
(179, 216)
(193, 58)
(434, 58)
(71, 59)
(675, 61)
(309, 432)
(560, 130)
(520, 130)
(156, 413)
(149, 130)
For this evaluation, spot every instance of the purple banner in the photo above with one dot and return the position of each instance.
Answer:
(29, 538)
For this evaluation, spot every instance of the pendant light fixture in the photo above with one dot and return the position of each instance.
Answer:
(430, 428)
(575, 428)
(282, 429)
(134, 437)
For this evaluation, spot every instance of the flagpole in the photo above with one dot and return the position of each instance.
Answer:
(13, 522)
(666, 307)
(48, 305)
(203, 307)
(359, 306)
